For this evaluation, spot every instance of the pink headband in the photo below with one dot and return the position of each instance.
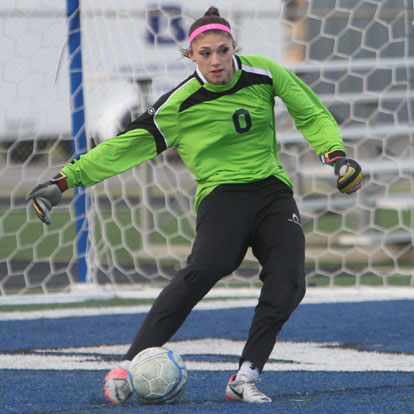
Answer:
(212, 26)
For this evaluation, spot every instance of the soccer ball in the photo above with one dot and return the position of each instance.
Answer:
(157, 375)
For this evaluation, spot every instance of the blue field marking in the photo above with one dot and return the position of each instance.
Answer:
(40, 392)
(385, 326)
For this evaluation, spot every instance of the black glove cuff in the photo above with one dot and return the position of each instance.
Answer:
(331, 156)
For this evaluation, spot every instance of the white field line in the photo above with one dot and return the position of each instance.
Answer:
(287, 356)
(239, 298)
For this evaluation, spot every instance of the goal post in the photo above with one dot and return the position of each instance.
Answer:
(137, 228)
(79, 141)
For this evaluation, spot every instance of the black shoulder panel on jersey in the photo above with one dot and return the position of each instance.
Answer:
(146, 120)
(246, 79)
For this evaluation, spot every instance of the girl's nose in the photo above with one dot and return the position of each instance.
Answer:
(214, 59)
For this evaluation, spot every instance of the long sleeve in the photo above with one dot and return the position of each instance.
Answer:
(143, 139)
(111, 157)
(311, 117)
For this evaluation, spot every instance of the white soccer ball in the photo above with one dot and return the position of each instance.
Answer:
(157, 375)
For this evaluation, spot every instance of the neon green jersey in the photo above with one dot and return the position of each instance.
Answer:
(224, 134)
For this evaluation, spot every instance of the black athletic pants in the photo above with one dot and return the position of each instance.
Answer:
(261, 214)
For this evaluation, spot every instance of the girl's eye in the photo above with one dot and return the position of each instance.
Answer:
(224, 50)
(205, 54)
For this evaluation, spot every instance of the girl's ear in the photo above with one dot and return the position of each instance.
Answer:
(191, 54)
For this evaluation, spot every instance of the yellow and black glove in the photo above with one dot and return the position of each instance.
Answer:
(47, 195)
(348, 171)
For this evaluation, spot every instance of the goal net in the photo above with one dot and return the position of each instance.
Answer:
(357, 55)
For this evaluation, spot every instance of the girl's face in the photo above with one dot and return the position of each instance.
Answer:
(213, 54)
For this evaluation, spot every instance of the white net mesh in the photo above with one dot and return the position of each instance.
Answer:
(357, 55)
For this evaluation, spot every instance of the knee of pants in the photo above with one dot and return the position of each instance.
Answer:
(206, 272)
(197, 280)
(283, 293)
(277, 310)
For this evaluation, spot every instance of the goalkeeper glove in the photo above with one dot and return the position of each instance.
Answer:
(47, 195)
(348, 171)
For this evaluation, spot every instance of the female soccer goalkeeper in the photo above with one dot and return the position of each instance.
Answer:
(221, 121)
